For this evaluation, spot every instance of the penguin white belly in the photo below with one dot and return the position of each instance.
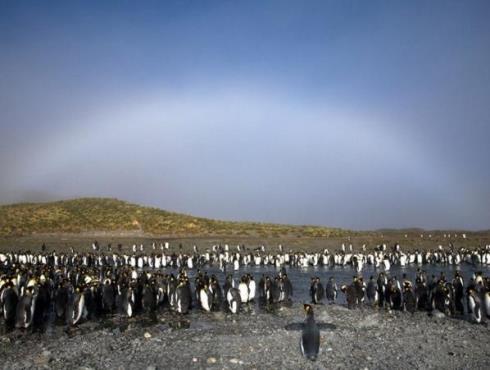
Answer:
(471, 303)
(315, 260)
(243, 289)
(231, 302)
(203, 297)
(130, 310)
(179, 306)
(190, 264)
(403, 260)
(252, 288)
(386, 264)
(78, 313)
(302, 346)
(236, 265)
(359, 266)
(172, 300)
(419, 259)
(347, 259)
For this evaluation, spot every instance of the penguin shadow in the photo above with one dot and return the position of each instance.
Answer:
(298, 326)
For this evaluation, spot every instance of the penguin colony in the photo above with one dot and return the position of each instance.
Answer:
(32, 290)
(83, 286)
(436, 294)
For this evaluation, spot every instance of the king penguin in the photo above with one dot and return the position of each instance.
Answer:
(409, 301)
(310, 337)
(61, 300)
(474, 305)
(331, 290)
(244, 290)
(205, 298)
(9, 301)
(108, 296)
(372, 292)
(125, 300)
(316, 290)
(183, 296)
(234, 300)
(25, 309)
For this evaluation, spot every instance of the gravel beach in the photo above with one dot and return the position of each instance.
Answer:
(351, 339)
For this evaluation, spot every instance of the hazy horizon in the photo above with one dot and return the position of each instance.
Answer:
(360, 115)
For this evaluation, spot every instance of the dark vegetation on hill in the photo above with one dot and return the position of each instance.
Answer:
(112, 215)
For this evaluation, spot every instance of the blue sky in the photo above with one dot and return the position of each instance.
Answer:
(344, 113)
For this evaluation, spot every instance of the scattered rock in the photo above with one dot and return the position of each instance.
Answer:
(260, 343)
(438, 315)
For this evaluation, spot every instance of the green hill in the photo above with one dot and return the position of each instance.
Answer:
(112, 215)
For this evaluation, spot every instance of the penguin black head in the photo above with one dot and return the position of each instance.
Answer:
(308, 309)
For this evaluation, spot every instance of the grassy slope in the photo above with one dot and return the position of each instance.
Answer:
(112, 215)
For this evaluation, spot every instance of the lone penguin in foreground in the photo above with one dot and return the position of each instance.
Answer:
(310, 337)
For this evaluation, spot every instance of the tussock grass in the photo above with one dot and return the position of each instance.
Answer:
(113, 215)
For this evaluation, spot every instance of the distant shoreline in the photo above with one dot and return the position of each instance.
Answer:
(83, 241)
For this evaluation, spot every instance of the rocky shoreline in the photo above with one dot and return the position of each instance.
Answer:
(350, 339)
